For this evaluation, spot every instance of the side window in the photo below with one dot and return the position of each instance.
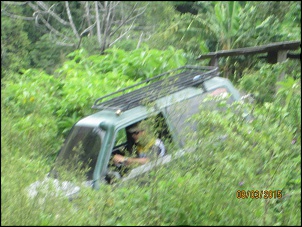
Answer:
(162, 129)
(180, 112)
(121, 142)
(156, 123)
(120, 137)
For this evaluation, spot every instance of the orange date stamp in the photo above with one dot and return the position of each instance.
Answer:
(259, 194)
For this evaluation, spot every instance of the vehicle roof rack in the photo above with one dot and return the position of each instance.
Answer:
(156, 87)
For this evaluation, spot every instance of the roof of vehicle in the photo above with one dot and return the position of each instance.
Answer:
(131, 107)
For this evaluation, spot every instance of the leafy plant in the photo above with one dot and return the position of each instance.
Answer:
(261, 83)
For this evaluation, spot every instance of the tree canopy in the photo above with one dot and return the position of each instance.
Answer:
(45, 32)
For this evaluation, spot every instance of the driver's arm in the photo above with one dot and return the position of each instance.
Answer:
(120, 159)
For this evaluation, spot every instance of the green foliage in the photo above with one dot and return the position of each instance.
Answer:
(182, 33)
(33, 91)
(224, 23)
(69, 95)
(264, 82)
(89, 77)
(289, 97)
(261, 83)
(47, 55)
(291, 25)
(259, 155)
(269, 21)
(15, 46)
(215, 27)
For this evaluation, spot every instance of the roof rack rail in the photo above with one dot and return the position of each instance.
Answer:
(190, 76)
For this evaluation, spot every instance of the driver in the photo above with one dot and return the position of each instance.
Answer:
(144, 147)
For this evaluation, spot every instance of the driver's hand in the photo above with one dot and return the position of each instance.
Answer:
(118, 159)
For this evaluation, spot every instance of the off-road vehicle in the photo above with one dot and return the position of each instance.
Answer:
(169, 99)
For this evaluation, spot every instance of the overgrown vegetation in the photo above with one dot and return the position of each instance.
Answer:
(198, 189)
(46, 90)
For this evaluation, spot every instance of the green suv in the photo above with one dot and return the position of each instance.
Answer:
(169, 99)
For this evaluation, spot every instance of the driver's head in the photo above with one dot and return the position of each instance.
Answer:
(136, 131)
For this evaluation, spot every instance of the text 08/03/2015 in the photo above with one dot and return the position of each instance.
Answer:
(259, 194)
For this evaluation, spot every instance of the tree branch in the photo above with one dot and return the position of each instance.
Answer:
(122, 34)
(39, 16)
(129, 19)
(16, 16)
(88, 29)
(97, 22)
(111, 18)
(48, 10)
(88, 17)
(140, 40)
(14, 3)
(71, 21)
(106, 25)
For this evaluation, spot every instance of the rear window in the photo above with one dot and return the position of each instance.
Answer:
(181, 111)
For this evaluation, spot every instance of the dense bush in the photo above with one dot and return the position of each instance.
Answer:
(197, 189)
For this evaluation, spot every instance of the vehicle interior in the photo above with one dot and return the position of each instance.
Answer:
(124, 143)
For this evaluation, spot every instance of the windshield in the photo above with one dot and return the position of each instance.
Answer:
(180, 112)
(80, 151)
